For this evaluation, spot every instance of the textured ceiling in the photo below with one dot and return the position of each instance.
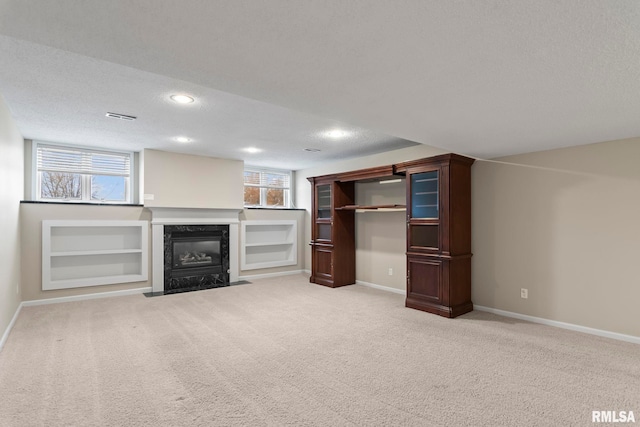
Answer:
(484, 78)
(59, 96)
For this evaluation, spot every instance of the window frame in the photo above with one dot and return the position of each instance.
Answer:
(36, 176)
(263, 189)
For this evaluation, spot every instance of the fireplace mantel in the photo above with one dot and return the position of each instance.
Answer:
(161, 216)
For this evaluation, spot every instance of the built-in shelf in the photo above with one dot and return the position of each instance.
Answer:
(91, 253)
(267, 244)
(102, 252)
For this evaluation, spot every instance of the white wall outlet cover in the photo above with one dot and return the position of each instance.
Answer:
(149, 196)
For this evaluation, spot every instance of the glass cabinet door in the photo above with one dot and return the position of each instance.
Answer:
(423, 217)
(324, 201)
(424, 195)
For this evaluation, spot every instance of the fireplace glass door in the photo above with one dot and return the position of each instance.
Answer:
(196, 252)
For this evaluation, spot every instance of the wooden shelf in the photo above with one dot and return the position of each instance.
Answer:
(371, 208)
(379, 173)
(98, 252)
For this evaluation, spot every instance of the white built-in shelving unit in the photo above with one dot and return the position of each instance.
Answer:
(266, 244)
(91, 253)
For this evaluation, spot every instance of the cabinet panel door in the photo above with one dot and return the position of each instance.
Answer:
(323, 262)
(425, 279)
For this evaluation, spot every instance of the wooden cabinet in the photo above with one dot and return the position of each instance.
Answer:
(439, 234)
(438, 194)
(332, 232)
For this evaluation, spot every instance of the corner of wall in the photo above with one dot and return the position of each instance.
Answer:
(11, 171)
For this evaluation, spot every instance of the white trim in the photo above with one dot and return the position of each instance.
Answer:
(161, 216)
(195, 216)
(307, 272)
(266, 275)
(5, 336)
(86, 193)
(382, 288)
(191, 221)
(73, 249)
(263, 189)
(284, 247)
(86, 297)
(563, 325)
(234, 262)
(110, 294)
(34, 171)
(157, 257)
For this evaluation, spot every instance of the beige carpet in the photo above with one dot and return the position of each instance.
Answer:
(285, 352)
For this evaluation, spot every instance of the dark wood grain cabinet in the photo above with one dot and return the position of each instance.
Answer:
(439, 234)
(332, 233)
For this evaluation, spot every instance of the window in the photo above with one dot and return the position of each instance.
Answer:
(267, 188)
(75, 174)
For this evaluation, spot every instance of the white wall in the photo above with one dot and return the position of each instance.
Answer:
(11, 191)
(565, 224)
(185, 181)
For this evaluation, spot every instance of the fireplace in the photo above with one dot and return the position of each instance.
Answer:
(187, 219)
(202, 250)
(196, 257)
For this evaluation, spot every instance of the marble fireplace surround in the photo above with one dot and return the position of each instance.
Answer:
(191, 216)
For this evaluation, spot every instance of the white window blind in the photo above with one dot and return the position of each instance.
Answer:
(266, 179)
(267, 188)
(82, 161)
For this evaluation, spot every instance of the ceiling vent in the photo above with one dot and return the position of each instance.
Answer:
(121, 116)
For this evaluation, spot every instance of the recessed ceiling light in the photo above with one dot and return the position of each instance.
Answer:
(182, 99)
(336, 133)
(183, 139)
(312, 150)
(252, 150)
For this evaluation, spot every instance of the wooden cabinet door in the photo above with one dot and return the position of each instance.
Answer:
(424, 209)
(424, 279)
(323, 261)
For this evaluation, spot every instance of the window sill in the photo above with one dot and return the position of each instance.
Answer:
(276, 209)
(78, 203)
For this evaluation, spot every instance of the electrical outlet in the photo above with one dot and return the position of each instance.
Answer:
(390, 271)
(524, 293)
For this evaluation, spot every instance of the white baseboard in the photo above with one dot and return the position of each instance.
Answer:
(267, 275)
(86, 297)
(382, 288)
(10, 326)
(533, 319)
(563, 325)
(67, 299)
